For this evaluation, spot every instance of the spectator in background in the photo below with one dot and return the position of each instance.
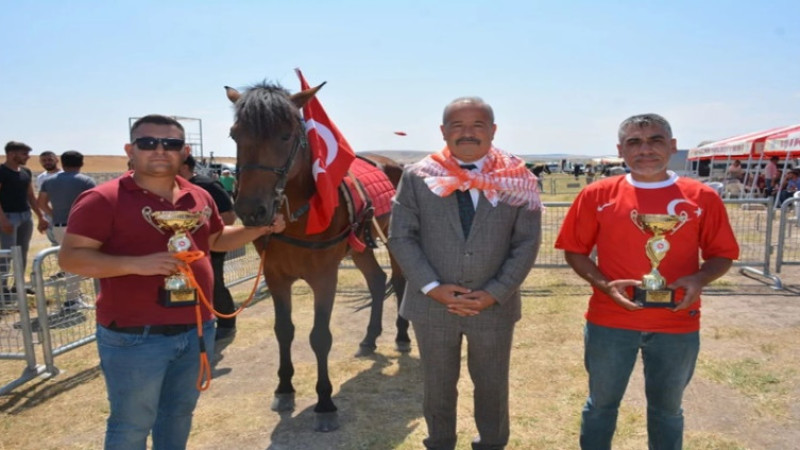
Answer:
(56, 196)
(223, 301)
(228, 182)
(57, 193)
(16, 203)
(49, 162)
(735, 171)
(790, 185)
(771, 176)
(589, 174)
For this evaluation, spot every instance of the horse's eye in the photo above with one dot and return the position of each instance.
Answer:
(286, 137)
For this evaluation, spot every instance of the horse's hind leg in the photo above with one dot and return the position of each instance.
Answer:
(324, 289)
(281, 292)
(402, 341)
(376, 283)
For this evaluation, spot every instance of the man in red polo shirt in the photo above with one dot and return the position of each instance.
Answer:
(149, 352)
(606, 215)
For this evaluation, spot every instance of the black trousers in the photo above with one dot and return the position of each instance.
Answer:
(223, 301)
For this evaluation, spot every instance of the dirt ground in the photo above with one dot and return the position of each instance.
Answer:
(380, 409)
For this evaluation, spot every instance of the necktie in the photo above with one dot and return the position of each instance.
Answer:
(466, 210)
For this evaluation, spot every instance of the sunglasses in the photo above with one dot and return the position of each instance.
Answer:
(151, 143)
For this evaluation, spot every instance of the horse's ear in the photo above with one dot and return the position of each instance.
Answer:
(233, 94)
(301, 98)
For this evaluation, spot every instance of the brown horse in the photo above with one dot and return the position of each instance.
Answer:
(275, 175)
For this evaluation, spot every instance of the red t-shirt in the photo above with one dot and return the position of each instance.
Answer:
(112, 214)
(601, 216)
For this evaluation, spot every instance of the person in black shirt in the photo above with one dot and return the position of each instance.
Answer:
(223, 301)
(16, 199)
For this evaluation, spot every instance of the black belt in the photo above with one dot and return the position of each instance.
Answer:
(59, 224)
(166, 330)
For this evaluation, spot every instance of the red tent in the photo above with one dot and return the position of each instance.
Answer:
(785, 144)
(738, 147)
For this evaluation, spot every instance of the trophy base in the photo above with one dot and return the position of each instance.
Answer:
(170, 299)
(661, 298)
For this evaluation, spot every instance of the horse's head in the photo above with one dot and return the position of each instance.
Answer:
(270, 136)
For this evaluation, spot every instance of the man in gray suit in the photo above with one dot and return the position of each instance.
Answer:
(466, 226)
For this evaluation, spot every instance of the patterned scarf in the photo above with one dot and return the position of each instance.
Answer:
(503, 177)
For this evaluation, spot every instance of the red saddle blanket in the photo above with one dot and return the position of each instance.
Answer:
(370, 181)
(376, 184)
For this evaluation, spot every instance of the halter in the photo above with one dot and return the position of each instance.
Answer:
(281, 172)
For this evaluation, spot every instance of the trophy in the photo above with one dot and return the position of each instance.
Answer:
(653, 292)
(176, 290)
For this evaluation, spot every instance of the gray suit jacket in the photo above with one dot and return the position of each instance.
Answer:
(426, 239)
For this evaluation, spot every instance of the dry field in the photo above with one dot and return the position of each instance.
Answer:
(745, 393)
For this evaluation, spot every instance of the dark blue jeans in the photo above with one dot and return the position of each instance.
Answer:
(151, 386)
(609, 357)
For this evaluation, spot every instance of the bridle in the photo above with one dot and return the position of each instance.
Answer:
(281, 172)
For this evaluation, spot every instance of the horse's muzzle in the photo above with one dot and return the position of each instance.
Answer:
(254, 212)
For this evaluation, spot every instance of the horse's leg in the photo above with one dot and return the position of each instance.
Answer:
(376, 283)
(324, 288)
(402, 341)
(281, 292)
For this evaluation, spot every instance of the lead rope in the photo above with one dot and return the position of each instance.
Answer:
(204, 374)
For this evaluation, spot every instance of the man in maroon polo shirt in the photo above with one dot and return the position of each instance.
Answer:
(149, 352)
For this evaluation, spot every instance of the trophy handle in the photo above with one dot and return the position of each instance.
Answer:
(683, 217)
(635, 219)
(206, 213)
(147, 213)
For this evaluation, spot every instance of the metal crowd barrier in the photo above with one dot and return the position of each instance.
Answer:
(16, 334)
(788, 234)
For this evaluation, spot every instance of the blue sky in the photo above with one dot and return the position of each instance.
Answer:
(561, 76)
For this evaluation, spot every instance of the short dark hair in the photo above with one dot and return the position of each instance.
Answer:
(72, 158)
(190, 162)
(156, 119)
(15, 146)
(47, 153)
(644, 121)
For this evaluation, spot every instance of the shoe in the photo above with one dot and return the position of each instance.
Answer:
(225, 333)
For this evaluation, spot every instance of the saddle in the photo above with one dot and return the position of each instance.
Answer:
(368, 193)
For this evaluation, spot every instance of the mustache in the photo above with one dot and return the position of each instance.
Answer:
(468, 140)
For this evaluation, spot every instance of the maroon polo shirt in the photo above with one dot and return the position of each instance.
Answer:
(112, 214)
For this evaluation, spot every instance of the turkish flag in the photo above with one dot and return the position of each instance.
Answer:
(331, 156)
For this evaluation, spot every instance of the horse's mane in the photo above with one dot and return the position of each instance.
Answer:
(263, 109)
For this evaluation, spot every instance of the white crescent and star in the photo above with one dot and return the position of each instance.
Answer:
(332, 147)
(674, 203)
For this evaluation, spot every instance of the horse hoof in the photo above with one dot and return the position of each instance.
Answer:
(325, 422)
(283, 402)
(365, 350)
(403, 347)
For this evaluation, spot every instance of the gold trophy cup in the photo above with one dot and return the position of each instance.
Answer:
(176, 291)
(653, 292)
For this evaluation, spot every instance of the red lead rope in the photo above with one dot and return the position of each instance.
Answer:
(204, 375)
